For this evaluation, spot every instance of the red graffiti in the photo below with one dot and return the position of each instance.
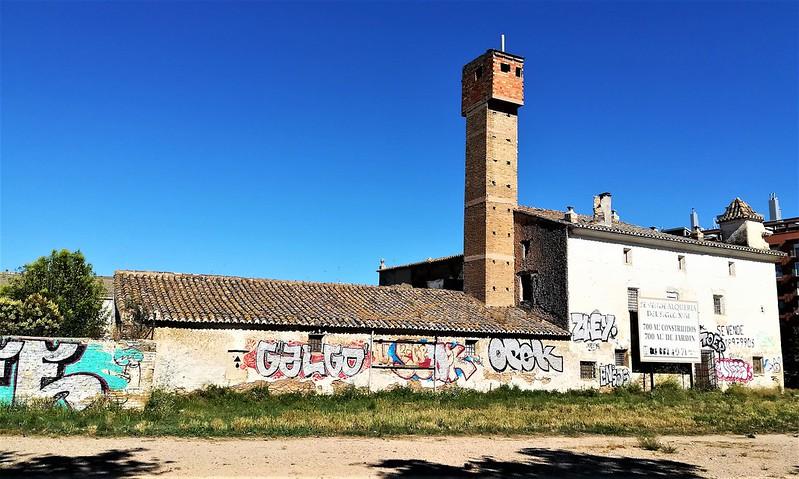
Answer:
(733, 370)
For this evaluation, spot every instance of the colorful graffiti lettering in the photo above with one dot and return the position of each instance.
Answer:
(593, 327)
(613, 376)
(72, 374)
(278, 359)
(733, 370)
(523, 355)
(714, 341)
(446, 362)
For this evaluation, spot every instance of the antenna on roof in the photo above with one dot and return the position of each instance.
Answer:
(502, 37)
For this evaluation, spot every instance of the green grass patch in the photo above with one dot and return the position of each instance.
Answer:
(219, 412)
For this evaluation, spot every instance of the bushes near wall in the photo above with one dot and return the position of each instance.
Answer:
(223, 412)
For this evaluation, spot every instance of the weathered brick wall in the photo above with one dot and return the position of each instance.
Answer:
(76, 372)
(490, 99)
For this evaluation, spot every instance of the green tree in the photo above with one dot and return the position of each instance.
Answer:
(35, 316)
(66, 279)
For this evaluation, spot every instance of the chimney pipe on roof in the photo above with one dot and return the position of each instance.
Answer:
(694, 220)
(774, 211)
(570, 216)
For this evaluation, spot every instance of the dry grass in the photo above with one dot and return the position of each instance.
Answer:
(221, 412)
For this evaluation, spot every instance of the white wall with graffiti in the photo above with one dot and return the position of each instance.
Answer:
(289, 362)
(744, 338)
(75, 372)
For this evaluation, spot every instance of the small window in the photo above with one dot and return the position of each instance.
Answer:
(315, 343)
(628, 256)
(525, 248)
(632, 299)
(731, 268)
(672, 294)
(620, 357)
(471, 347)
(587, 370)
(718, 304)
(519, 72)
(681, 262)
(504, 67)
(778, 270)
(478, 73)
(529, 287)
(757, 365)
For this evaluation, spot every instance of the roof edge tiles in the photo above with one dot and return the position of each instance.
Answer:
(194, 299)
(585, 223)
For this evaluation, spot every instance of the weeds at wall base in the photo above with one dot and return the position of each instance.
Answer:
(222, 412)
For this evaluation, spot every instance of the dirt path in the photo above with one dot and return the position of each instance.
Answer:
(591, 456)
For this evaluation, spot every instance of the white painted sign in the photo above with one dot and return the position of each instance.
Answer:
(668, 331)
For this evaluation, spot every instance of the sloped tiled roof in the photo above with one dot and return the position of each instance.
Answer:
(739, 209)
(586, 222)
(194, 298)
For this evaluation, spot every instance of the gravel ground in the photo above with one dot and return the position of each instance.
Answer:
(537, 456)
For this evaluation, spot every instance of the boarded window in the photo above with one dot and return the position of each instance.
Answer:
(620, 357)
(718, 304)
(757, 365)
(587, 370)
(632, 299)
(315, 343)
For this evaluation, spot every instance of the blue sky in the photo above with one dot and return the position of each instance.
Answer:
(307, 141)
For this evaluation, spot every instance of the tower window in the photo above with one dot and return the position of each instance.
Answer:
(731, 268)
(504, 67)
(681, 262)
(628, 256)
(478, 73)
(529, 283)
(525, 248)
(518, 72)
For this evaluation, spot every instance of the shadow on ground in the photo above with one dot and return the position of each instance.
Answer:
(112, 463)
(544, 463)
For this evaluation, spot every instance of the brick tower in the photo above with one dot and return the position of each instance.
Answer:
(492, 94)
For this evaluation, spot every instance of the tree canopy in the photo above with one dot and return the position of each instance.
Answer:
(56, 295)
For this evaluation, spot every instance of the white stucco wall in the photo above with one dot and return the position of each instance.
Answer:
(599, 278)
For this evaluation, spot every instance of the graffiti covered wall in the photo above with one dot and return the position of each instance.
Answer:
(287, 361)
(75, 372)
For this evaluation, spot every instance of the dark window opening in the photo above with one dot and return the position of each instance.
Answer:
(471, 347)
(620, 357)
(504, 67)
(518, 72)
(757, 365)
(478, 73)
(587, 370)
(525, 249)
(529, 283)
(315, 343)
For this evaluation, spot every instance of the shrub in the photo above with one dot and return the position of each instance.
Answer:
(35, 316)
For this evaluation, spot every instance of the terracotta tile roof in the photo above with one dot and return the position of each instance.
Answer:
(194, 298)
(586, 222)
(739, 209)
